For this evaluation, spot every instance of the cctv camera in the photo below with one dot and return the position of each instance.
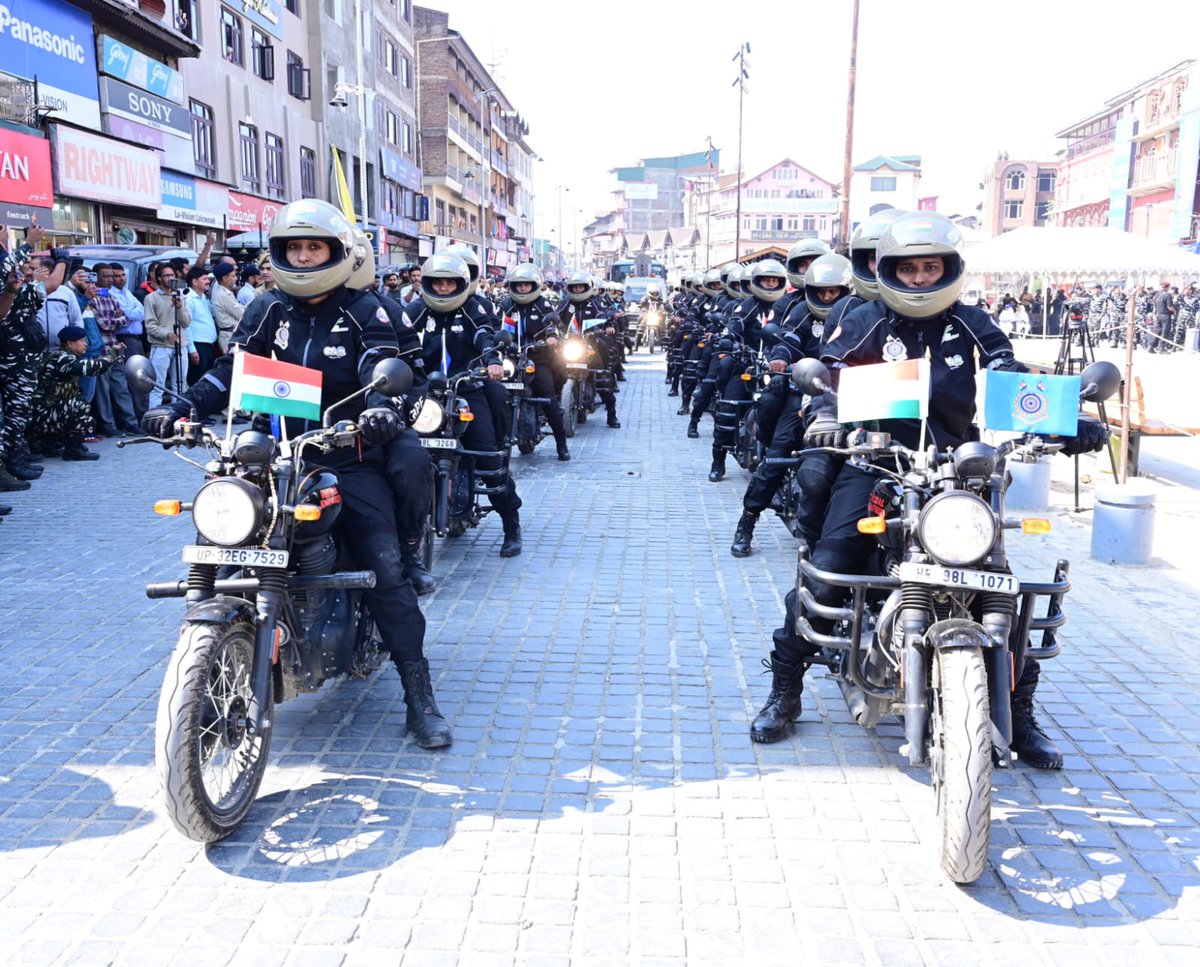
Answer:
(338, 100)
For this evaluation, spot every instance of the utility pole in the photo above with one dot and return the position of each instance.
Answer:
(844, 227)
(740, 83)
(362, 112)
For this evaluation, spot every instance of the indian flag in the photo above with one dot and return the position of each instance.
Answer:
(265, 385)
(884, 391)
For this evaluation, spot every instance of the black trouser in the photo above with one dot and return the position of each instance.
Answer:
(717, 375)
(770, 407)
(605, 384)
(207, 351)
(410, 474)
(544, 385)
(481, 435)
(690, 376)
(727, 413)
(366, 527)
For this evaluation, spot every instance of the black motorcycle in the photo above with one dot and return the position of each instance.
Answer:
(939, 633)
(271, 613)
(578, 394)
(736, 419)
(527, 424)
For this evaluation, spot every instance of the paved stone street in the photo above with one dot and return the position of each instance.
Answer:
(602, 802)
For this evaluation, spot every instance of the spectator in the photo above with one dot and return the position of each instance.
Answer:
(114, 403)
(60, 419)
(167, 320)
(147, 286)
(391, 284)
(82, 282)
(413, 289)
(203, 331)
(61, 309)
(132, 336)
(250, 278)
(227, 310)
(267, 280)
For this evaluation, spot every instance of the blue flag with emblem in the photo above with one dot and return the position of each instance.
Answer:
(1030, 403)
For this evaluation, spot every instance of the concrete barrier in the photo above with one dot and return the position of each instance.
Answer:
(1123, 523)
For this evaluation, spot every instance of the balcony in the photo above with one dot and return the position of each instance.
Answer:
(1084, 145)
(1153, 172)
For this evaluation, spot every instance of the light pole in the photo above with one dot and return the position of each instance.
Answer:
(340, 90)
(485, 99)
(561, 262)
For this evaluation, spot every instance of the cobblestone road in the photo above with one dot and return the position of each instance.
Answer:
(601, 803)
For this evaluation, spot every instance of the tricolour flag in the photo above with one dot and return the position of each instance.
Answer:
(884, 391)
(264, 385)
(1030, 402)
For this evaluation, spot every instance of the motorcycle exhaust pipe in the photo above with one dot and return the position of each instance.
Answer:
(855, 699)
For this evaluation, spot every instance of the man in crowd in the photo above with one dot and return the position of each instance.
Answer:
(227, 310)
(114, 402)
(203, 331)
(167, 319)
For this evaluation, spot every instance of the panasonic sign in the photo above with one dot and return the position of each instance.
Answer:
(53, 43)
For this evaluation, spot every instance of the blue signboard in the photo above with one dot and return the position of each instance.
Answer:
(1118, 186)
(52, 42)
(178, 190)
(268, 14)
(121, 60)
(399, 169)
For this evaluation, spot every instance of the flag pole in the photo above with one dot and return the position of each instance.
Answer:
(234, 348)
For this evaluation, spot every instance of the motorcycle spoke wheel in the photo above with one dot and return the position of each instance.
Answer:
(960, 761)
(209, 763)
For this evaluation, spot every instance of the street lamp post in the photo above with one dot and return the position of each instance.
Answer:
(559, 260)
(485, 104)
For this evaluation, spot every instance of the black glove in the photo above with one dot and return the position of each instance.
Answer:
(1008, 364)
(825, 431)
(1090, 437)
(105, 363)
(379, 425)
(160, 421)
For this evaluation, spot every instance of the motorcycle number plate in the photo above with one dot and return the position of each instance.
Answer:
(577, 366)
(957, 577)
(514, 386)
(242, 556)
(438, 443)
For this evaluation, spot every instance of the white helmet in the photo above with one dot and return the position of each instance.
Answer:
(862, 250)
(914, 236)
(445, 265)
(467, 254)
(800, 256)
(577, 280)
(525, 272)
(768, 269)
(828, 272)
(317, 220)
(364, 274)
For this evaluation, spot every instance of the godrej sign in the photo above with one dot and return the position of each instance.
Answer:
(53, 42)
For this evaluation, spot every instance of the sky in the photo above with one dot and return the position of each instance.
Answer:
(955, 81)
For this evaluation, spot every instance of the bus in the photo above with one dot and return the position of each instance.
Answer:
(641, 266)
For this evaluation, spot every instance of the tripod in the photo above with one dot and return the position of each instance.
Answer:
(1075, 353)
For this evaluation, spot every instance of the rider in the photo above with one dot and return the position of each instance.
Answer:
(452, 340)
(712, 313)
(920, 276)
(479, 307)
(312, 319)
(582, 315)
(529, 317)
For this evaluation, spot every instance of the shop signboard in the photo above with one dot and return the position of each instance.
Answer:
(175, 152)
(268, 14)
(140, 106)
(26, 189)
(122, 61)
(192, 200)
(53, 43)
(248, 213)
(399, 169)
(101, 169)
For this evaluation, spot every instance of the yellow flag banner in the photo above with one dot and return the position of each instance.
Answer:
(342, 187)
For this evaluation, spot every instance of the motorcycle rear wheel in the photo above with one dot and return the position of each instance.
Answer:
(209, 766)
(961, 761)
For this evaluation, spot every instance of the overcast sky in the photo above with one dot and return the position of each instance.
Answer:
(955, 81)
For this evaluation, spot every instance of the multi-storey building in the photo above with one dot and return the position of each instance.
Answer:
(886, 181)
(649, 196)
(1018, 194)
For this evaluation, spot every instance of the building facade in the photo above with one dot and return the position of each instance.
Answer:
(1018, 194)
(886, 181)
(649, 196)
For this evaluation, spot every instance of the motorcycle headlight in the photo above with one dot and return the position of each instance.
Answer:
(573, 351)
(228, 511)
(430, 418)
(509, 368)
(957, 528)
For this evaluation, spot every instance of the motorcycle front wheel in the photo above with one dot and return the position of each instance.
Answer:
(570, 410)
(961, 761)
(209, 765)
(527, 429)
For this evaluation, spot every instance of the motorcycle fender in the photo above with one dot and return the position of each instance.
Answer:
(221, 610)
(958, 633)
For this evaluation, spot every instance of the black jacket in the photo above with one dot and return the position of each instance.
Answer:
(450, 342)
(535, 320)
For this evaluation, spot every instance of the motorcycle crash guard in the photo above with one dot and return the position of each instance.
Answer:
(221, 610)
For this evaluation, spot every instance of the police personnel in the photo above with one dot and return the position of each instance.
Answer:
(581, 314)
(311, 318)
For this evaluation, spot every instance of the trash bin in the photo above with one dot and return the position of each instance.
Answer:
(1030, 486)
(1191, 341)
(1123, 523)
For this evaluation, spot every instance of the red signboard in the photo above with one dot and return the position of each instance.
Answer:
(25, 177)
(248, 213)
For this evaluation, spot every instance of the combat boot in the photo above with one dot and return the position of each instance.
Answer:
(76, 450)
(693, 430)
(414, 565)
(744, 534)
(23, 470)
(783, 706)
(685, 407)
(1029, 742)
(717, 471)
(422, 718)
(10, 484)
(512, 535)
(613, 422)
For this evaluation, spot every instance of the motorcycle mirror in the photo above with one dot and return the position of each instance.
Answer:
(811, 376)
(1099, 381)
(771, 333)
(391, 377)
(140, 373)
(504, 339)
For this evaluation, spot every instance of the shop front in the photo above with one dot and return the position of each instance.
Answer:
(197, 207)
(26, 188)
(248, 221)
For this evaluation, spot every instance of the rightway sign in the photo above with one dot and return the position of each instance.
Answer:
(52, 42)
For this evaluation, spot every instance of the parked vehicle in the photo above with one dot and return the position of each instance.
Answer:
(136, 259)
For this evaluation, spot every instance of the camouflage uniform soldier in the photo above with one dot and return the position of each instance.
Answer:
(22, 342)
(59, 409)
(1189, 310)
(1097, 310)
(1118, 308)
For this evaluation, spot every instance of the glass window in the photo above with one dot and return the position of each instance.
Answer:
(1046, 180)
(248, 142)
(232, 46)
(274, 168)
(202, 140)
(393, 128)
(262, 55)
(293, 6)
(1015, 180)
(391, 58)
(405, 72)
(299, 79)
(406, 140)
(1041, 211)
(1014, 209)
(186, 20)
(883, 183)
(308, 173)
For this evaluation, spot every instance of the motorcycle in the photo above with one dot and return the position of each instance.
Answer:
(736, 419)
(527, 418)
(271, 613)
(939, 633)
(650, 327)
(578, 395)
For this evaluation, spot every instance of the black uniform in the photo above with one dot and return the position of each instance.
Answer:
(589, 319)
(530, 323)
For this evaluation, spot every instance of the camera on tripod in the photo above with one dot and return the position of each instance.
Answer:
(178, 285)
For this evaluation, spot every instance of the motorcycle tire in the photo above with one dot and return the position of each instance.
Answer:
(527, 430)
(651, 343)
(961, 761)
(570, 410)
(209, 767)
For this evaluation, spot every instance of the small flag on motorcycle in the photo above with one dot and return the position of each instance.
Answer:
(884, 391)
(264, 385)
(1030, 402)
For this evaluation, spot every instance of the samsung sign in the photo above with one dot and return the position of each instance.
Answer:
(52, 42)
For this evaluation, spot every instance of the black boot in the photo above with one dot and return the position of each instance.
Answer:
(512, 535)
(1029, 742)
(563, 453)
(5, 510)
(22, 470)
(717, 471)
(744, 534)
(423, 720)
(10, 484)
(685, 407)
(783, 706)
(75, 450)
(693, 427)
(674, 391)
(613, 422)
(414, 565)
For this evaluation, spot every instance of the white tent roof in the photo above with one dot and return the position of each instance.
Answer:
(1079, 251)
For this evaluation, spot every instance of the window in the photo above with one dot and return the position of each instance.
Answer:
(262, 55)
(308, 173)
(406, 139)
(810, 224)
(883, 183)
(185, 19)
(1014, 209)
(777, 223)
(391, 58)
(248, 141)
(760, 223)
(299, 78)
(232, 48)
(1041, 211)
(1015, 180)
(405, 72)
(393, 128)
(274, 168)
(202, 140)
(1046, 180)
(293, 6)
(406, 10)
